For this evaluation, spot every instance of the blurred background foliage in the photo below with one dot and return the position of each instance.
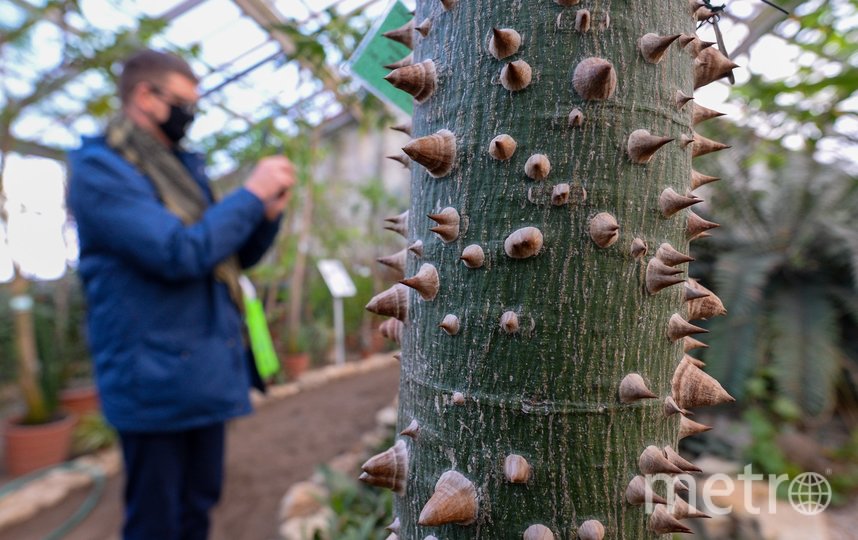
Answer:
(784, 262)
(817, 101)
(298, 304)
(785, 259)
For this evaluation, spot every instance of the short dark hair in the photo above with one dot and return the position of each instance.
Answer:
(149, 65)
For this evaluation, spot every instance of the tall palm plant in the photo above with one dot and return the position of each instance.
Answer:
(786, 263)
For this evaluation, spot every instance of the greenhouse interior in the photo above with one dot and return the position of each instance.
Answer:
(428, 269)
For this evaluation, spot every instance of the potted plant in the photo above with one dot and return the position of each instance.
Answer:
(78, 394)
(92, 434)
(297, 358)
(80, 398)
(41, 436)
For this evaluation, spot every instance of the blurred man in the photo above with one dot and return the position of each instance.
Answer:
(160, 262)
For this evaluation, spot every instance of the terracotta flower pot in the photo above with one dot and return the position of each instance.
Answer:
(376, 344)
(32, 447)
(296, 364)
(80, 401)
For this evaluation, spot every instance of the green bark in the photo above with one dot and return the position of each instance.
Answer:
(548, 393)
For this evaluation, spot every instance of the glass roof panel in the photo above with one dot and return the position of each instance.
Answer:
(10, 15)
(154, 8)
(209, 17)
(295, 9)
(107, 15)
(237, 58)
(235, 37)
(237, 64)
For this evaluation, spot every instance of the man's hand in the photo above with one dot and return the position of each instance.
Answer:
(276, 207)
(271, 181)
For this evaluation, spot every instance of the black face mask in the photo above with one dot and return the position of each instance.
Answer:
(176, 125)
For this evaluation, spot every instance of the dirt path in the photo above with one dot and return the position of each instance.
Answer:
(279, 445)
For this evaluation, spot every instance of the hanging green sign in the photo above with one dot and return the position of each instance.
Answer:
(376, 51)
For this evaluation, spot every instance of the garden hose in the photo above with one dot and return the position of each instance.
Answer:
(99, 481)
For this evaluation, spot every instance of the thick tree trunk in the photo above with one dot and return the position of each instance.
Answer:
(546, 333)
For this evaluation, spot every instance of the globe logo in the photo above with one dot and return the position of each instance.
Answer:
(810, 493)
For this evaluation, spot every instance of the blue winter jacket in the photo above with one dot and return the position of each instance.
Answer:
(165, 336)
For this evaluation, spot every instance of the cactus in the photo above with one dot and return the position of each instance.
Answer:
(543, 347)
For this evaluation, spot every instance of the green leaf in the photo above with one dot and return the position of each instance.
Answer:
(786, 409)
(741, 278)
(805, 355)
(733, 340)
(848, 237)
(763, 451)
(732, 356)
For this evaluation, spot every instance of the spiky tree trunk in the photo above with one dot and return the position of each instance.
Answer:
(541, 359)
